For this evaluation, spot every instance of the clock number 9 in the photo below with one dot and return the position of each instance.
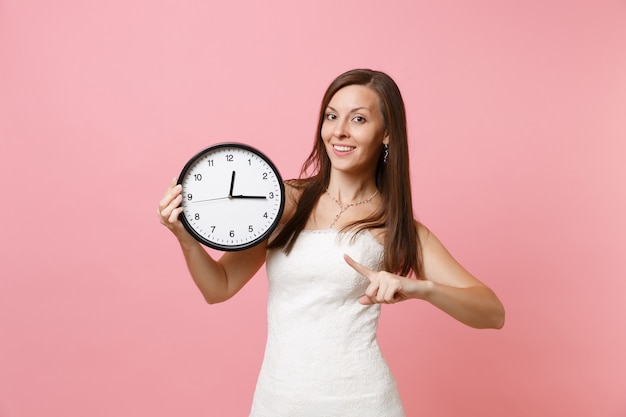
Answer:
(189, 197)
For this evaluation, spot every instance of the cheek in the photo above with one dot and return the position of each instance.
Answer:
(325, 132)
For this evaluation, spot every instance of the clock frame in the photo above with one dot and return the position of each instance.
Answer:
(233, 196)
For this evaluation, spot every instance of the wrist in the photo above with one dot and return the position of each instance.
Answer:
(187, 241)
(425, 289)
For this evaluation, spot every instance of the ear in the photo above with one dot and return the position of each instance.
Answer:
(386, 139)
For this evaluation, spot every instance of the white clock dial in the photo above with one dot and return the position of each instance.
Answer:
(233, 196)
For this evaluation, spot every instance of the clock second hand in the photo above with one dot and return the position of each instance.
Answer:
(210, 199)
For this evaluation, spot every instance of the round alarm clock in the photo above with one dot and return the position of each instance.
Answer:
(233, 196)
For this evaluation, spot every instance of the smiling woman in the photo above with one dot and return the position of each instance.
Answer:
(516, 130)
(347, 243)
(354, 132)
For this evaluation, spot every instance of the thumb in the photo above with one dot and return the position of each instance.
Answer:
(366, 301)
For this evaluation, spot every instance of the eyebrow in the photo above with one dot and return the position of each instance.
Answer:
(351, 111)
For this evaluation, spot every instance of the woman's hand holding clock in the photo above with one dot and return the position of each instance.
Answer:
(169, 210)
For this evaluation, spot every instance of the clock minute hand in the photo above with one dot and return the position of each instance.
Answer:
(259, 197)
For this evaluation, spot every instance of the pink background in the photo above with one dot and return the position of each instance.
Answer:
(517, 117)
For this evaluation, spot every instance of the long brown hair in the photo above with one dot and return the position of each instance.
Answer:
(402, 249)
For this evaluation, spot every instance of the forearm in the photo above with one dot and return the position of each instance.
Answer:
(220, 280)
(475, 306)
(216, 280)
(208, 274)
(451, 288)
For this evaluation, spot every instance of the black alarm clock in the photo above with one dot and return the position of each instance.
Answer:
(233, 196)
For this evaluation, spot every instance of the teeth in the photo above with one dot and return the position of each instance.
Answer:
(343, 148)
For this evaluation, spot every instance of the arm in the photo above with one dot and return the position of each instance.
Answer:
(217, 280)
(451, 288)
(446, 285)
(220, 280)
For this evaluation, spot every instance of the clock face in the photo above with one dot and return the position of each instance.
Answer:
(233, 196)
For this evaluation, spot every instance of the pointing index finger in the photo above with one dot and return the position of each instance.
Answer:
(366, 272)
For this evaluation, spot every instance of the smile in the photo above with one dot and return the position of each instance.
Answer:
(343, 148)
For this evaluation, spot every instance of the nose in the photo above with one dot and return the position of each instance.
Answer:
(341, 129)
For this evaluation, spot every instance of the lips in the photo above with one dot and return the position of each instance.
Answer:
(343, 148)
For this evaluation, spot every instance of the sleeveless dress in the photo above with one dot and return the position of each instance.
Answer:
(322, 358)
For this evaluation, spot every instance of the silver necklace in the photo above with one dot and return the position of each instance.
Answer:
(344, 208)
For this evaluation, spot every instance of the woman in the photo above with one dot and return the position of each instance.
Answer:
(347, 242)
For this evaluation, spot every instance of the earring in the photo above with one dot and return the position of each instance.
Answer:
(385, 153)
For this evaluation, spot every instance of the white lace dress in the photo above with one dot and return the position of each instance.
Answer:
(322, 358)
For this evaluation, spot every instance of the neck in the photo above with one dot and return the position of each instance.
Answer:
(351, 192)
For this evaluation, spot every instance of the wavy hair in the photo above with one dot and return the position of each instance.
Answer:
(402, 248)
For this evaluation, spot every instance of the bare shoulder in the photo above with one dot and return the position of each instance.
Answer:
(429, 243)
(423, 233)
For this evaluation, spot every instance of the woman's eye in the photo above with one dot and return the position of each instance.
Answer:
(330, 116)
(359, 119)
